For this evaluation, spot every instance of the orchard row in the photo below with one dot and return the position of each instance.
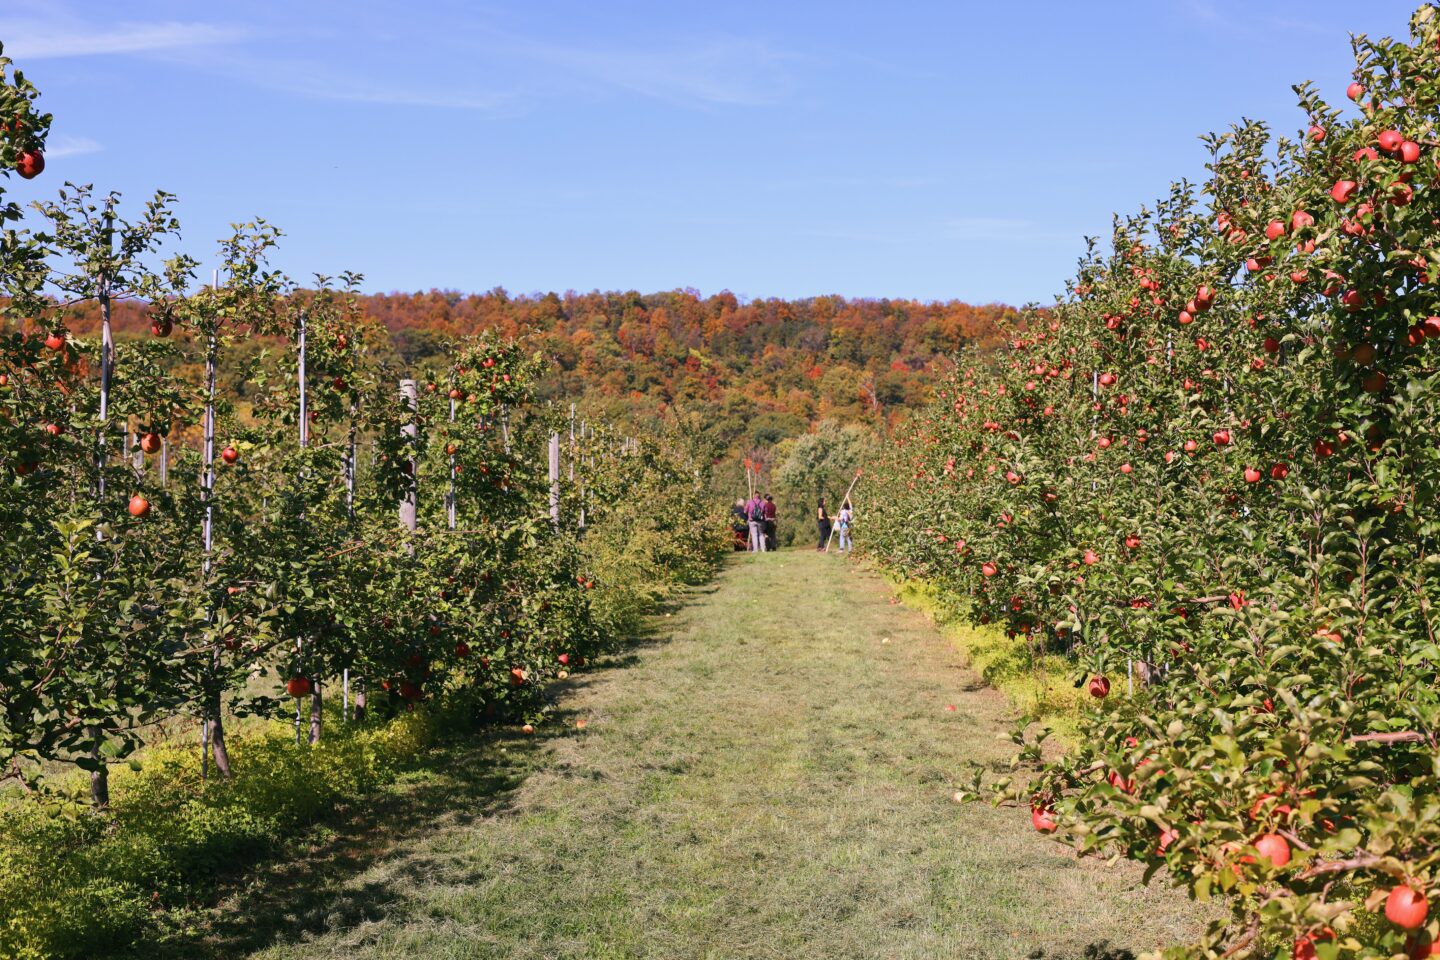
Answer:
(1210, 477)
(337, 528)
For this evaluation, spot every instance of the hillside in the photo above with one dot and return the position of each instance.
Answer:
(753, 372)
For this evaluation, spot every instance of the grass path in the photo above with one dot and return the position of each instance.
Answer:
(767, 780)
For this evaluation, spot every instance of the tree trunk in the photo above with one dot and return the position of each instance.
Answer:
(99, 781)
(315, 713)
(359, 700)
(217, 739)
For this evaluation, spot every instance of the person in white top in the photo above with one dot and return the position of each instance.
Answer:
(842, 528)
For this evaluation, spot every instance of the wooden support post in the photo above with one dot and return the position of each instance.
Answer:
(409, 506)
(555, 479)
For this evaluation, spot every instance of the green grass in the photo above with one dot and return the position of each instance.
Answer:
(1043, 688)
(768, 778)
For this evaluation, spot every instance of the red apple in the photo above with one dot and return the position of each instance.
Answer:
(229, 454)
(55, 341)
(297, 686)
(462, 650)
(139, 506)
(1274, 848)
(1275, 229)
(30, 165)
(1409, 151)
(1304, 948)
(1279, 471)
(1317, 133)
(150, 442)
(1043, 819)
(1355, 91)
(988, 569)
(1406, 907)
(1343, 190)
(1221, 438)
(564, 659)
(1099, 687)
(161, 326)
(1390, 140)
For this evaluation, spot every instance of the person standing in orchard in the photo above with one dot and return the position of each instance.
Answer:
(770, 522)
(822, 524)
(843, 521)
(755, 516)
(740, 525)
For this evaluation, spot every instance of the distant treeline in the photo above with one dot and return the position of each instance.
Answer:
(752, 372)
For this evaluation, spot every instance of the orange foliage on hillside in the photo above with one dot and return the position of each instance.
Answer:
(756, 371)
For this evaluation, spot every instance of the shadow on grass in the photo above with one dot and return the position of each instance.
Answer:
(304, 889)
(311, 887)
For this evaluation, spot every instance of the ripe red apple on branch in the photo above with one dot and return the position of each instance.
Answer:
(30, 165)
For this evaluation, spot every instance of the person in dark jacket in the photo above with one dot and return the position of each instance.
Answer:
(770, 521)
(822, 524)
(739, 525)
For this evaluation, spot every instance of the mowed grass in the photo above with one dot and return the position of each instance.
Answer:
(765, 779)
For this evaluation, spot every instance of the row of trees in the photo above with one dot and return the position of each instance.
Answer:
(1210, 476)
(174, 548)
(759, 371)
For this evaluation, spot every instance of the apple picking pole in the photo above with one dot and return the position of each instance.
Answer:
(409, 506)
(555, 479)
(843, 500)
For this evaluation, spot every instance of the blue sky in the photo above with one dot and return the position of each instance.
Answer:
(928, 150)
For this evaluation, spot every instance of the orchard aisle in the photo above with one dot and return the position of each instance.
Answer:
(770, 781)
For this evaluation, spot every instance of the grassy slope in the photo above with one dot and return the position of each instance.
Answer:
(770, 781)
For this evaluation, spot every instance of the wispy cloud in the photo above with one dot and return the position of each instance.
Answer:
(42, 40)
(460, 62)
(319, 81)
(63, 146)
